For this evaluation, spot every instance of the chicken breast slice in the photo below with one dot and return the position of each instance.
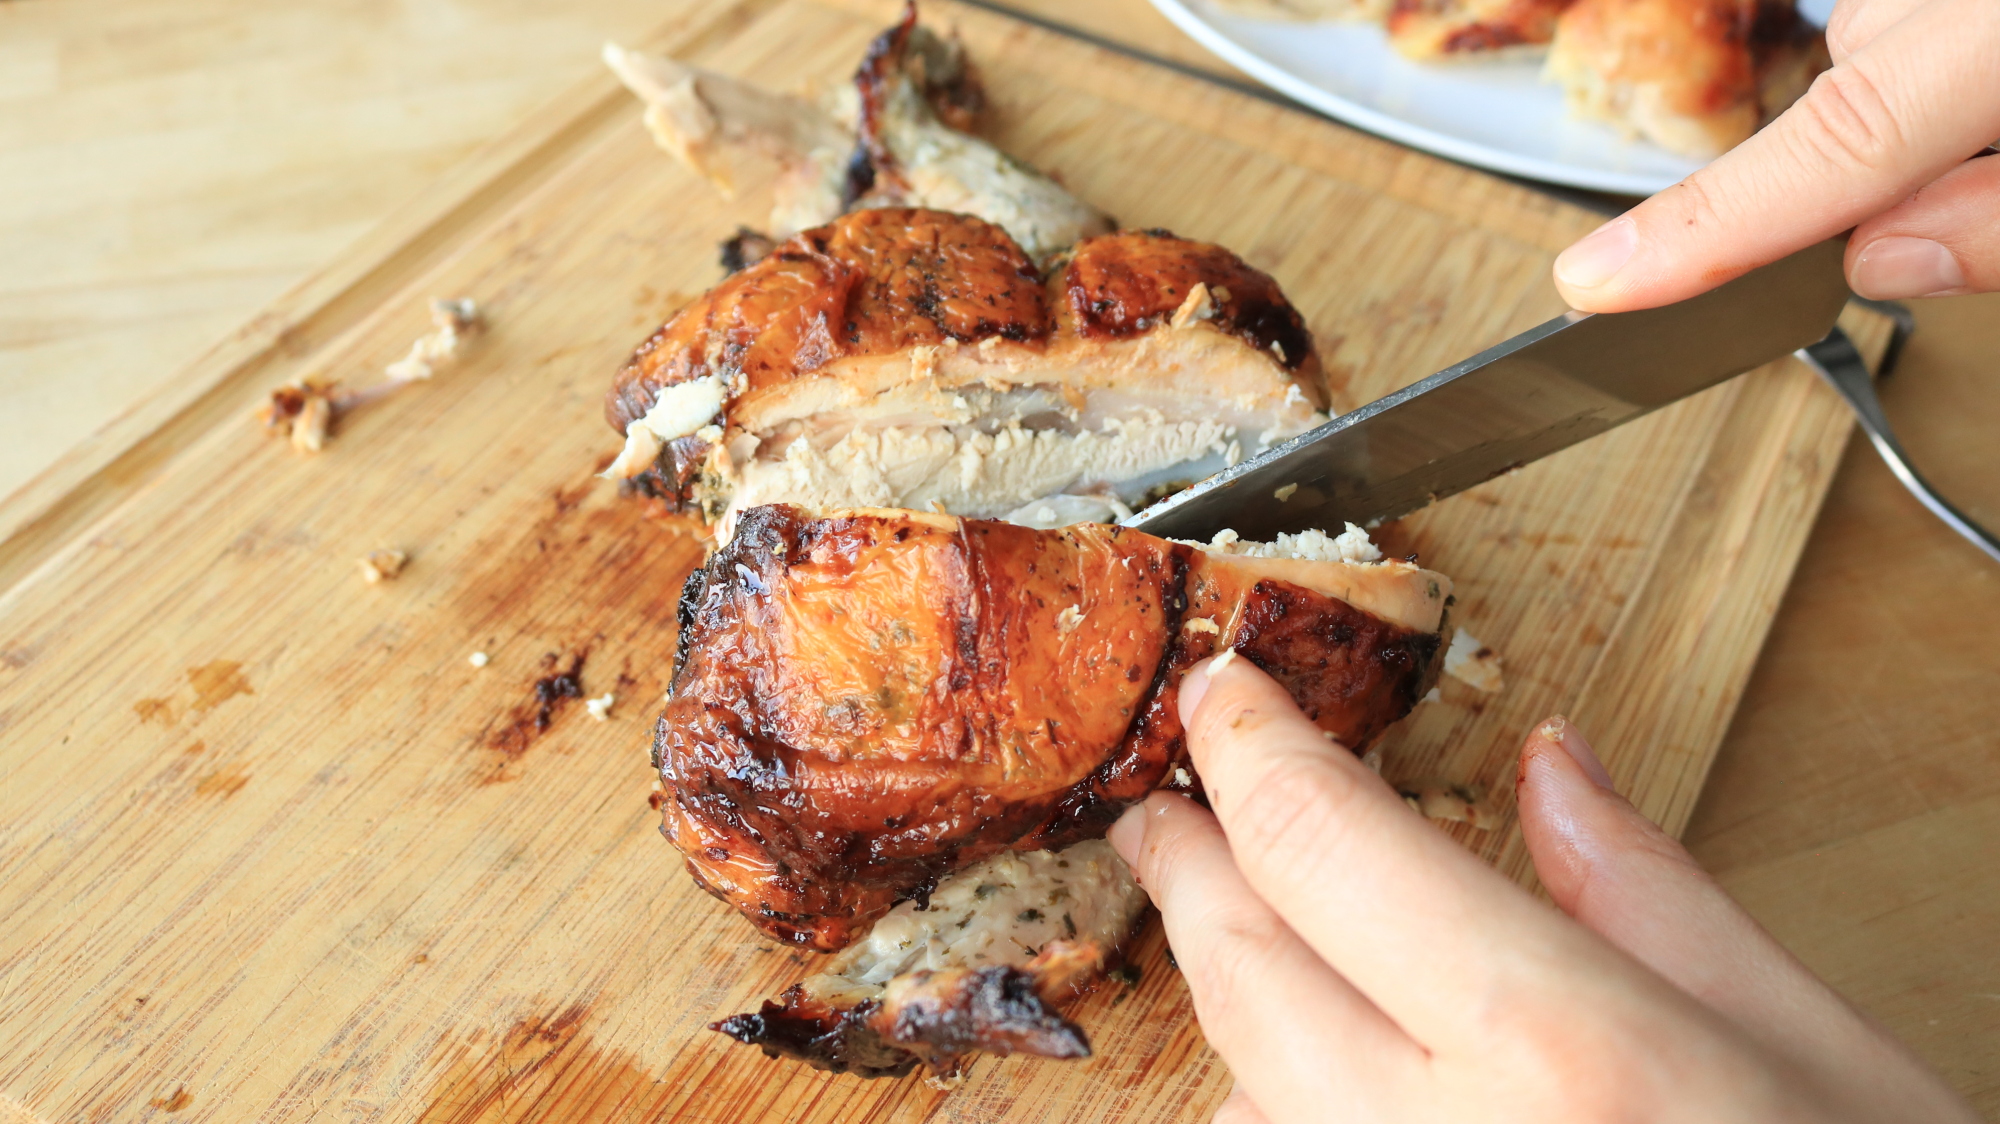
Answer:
(909, 358)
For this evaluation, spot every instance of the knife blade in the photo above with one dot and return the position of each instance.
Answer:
(1546, 389)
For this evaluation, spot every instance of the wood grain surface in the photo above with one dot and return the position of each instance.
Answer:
(169, 169)
(274, 850)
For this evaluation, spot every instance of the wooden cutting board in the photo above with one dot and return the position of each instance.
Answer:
(272, 849)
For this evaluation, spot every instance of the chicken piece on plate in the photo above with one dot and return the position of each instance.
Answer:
(1696, 77)
(909, 358)
(860, 726)
(1307, 11)
(1442, 30)
(901, 139)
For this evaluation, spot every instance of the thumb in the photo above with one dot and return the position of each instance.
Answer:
(1616, 872)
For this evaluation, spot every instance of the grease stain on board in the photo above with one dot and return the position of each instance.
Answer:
(621, 572)
(214, 683)
(544, 1069)
(224, 782)
(549, 695)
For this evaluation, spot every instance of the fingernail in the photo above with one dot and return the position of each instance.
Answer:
(1128, 834)
(1895, 268)
(1599, 256)
(1559, 731)
(1194, 685)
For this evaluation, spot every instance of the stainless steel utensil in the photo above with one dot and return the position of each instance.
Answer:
(1840, 365)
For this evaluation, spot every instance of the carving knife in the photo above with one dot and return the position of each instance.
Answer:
(1546, 389)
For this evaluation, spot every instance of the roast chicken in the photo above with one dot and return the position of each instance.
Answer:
(1693, 76)
(911, 358)
(909, 420)
(862, 715)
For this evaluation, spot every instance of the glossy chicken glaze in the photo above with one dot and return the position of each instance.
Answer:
(866, 702)
(794, 334)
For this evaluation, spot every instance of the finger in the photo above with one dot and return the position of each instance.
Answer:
(1443, 945)
(1945, 239)
(1855, 23)
(1616, 872)
(1238, 1108)
(1901, 111)
(1294, 1033)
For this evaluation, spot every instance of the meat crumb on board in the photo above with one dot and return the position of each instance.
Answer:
(304, 410)
(1453, 804)
(600, 707)
(378, 566)
(1473, 663)
(301, 412)
(479, 659)
(452, 321)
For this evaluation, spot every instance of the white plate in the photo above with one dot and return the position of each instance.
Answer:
(1497, 115)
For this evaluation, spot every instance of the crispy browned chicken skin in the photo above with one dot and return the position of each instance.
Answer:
(866, 702)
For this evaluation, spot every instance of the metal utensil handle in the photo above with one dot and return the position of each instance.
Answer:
(1837, 361)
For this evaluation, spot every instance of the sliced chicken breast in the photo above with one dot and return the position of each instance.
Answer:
(905, 358)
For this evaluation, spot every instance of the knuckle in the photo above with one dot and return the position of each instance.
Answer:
(1847, 120)
(1237, 949)
(1162, 859)
(1299, 805)
(1696, 202)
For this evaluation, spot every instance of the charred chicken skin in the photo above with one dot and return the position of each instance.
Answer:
(911, 358)
(863, 704)
(985, 966)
